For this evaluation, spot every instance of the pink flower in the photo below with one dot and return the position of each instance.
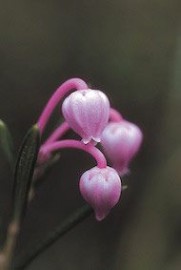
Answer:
(121, 141)
(87, 113)
(101, 188)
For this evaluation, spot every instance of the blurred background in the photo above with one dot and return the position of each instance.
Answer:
(131, 49)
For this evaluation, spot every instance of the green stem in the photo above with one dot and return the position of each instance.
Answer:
(6, 254)
(74, 219)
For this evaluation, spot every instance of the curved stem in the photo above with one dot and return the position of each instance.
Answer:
(89, 148)
(115, 116)
(58, 133)
(56, 97)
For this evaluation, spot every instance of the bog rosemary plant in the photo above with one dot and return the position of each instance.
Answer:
(87, 112)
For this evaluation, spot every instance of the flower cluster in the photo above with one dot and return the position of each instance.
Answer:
(89, 114)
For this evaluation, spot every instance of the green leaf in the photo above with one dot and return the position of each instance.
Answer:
(6, 142)
(45, 169)
(24, 171)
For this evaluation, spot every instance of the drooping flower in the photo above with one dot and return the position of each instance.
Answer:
(101, 188)
(87, 113)
(121, 141)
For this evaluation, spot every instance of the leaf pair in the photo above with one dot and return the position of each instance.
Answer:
(24, 165)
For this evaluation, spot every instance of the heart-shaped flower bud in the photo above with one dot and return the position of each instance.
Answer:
(121, 141)
(87, 113)
(101, 188)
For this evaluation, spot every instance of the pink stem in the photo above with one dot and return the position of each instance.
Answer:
(115, 116)
(89, 148)
(58, 133)
(56, 97)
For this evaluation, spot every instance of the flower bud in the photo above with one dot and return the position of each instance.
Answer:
(121, 141)
(101, 188)
(87, 113)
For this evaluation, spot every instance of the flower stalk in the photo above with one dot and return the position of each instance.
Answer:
(88, 113)
(89, 148)
(64, 89)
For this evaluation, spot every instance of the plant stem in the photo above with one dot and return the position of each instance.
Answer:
(22, 180)
(69, 223)
(89, 148)
(6, 254)
(62, 90)
(57, 133)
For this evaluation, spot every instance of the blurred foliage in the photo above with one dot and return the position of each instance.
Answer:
(132, 50)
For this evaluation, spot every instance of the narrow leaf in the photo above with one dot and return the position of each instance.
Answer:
(6, 142)
(24, 171)
(44, 169)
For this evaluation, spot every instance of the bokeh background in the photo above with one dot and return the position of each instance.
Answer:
(131, 49)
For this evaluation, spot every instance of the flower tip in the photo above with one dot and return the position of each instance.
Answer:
(86, 140)
(92, 140)
(99, 215)
(96, 139)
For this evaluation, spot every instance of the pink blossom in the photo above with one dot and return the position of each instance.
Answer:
(101, 188)
(87, 113)
(121, 141)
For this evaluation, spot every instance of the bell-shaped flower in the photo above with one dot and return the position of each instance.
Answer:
(121, 141)
(101, 188)
(87, 113)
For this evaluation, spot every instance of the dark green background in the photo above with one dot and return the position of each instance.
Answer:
(131, 49)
